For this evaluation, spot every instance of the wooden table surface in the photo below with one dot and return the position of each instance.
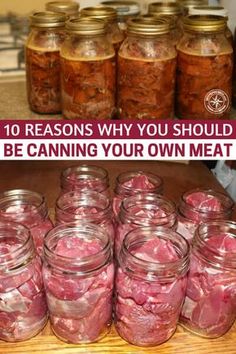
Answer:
(44, 177)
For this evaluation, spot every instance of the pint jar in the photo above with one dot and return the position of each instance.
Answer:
(23, 310)
(144, 210)
(70, 8)
(204, 69)
(209, 309)
(28, 208)
(92, 206)
(43, 61)
(78, 277)
(150, 285)
(146, 71)
(202, 205)
(87, 71)
(134, 182)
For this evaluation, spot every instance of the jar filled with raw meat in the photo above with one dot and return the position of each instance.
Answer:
(23, 309)
(146, 71)
(150, 285)
(85, 178)
(87, 71)
(109, 16)
(94, 206)
(28, 208)
(144, 210)
(135, 182)
(42, 59)
(204, 69)
(78, 276)
(202, 205)
(209, 309)
(70, 8)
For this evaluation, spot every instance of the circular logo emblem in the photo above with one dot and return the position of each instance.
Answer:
(216, 101)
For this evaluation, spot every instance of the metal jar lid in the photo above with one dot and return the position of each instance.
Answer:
(86, 26)
(209, 10)
(205, 23)
(99, 12)
(165, 8)
(48, 19)
(148, 26)
(188, 4)
(169, 19)
(67, 7)
(123, 7)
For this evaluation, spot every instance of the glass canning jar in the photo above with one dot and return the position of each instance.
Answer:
(78, 276)
(144, 210)
(146, 71)
(94, 206)
(70, 8)
(204, 69)
(209, 309)
(188, 5)
(85, 178)
(23, 309)
(134, 182)
(28, 208)
(201, 205)
(150, 285)
(42, 60)
(87, 71)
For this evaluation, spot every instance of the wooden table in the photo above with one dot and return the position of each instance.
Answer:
(44, 177)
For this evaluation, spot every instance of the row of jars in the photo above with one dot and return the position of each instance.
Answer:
(91, 73)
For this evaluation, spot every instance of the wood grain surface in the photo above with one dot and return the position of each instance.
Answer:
(44, 177)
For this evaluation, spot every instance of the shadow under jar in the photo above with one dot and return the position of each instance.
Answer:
(150, 285)
(146, 71)
(204, 69)
(87, 71)
(78, 276)
(23, 309)
(42, 52)
(209, 309)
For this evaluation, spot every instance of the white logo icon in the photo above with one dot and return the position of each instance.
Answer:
(216, 101)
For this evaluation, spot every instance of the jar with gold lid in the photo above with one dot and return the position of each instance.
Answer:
(43, 61)
(204, 69)
(70, 8)
(146, 71)
(87, 71)
(187, 5)
(167, 8)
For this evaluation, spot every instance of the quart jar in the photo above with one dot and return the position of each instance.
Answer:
(42, 54)
(88, 71)
(134, 182)
(70, 8)
(28, 208)
(150, 285)
(201, 205)
(144, 210)
(23, 309)
(146, 71)
(92, 206)
(204, 69)
(209, 309)
(85, 178)
(78, 276)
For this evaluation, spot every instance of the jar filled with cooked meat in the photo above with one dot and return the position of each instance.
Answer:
(87, 71)
(204, 69)
(43, 61)
(70, 8)
(146, 71)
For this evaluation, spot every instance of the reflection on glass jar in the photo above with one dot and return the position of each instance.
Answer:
(43, 61)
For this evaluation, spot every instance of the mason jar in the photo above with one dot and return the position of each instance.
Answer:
(188, 5)
(87, 71)
(85, 178)
(42, 60)
(144, 210)
(150, 285)
(209, 309)
(146, 71)
(70, 8)
(28, 208)
(201, 205)
(23, 309)
(78, 276)
(94, 206)
(204, 69)
(134, 182)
